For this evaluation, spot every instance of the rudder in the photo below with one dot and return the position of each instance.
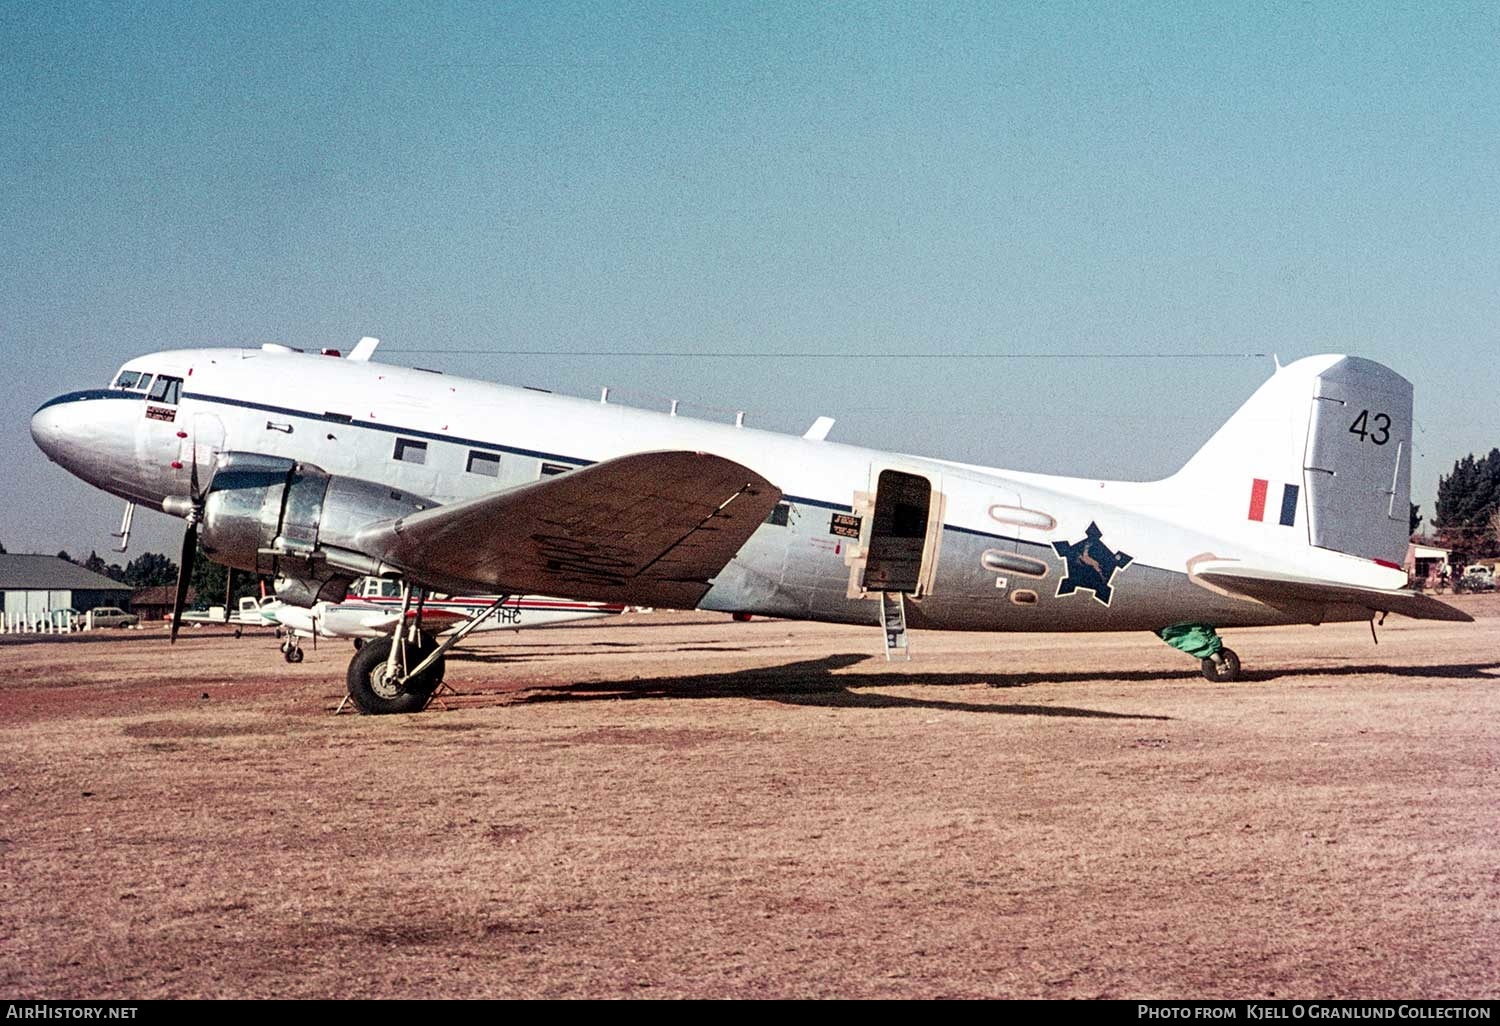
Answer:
(1358, 465)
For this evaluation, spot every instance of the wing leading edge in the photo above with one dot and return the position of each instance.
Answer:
(1271, 587)
(648, 529)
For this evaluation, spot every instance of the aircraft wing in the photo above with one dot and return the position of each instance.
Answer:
(647, 529)
(1271, 587)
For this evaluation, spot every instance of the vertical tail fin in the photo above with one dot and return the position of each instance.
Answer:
(1320, 455)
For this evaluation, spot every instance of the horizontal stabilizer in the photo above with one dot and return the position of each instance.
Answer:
(1273, 587)
(651, 529)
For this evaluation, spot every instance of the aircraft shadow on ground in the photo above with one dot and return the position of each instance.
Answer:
(813, 683)
(817, 682)
(1447, 671)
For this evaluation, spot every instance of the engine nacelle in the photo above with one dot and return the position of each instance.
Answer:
(271, 515)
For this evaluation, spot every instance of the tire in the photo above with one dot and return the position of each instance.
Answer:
(367, 688)
(1227, 671)
(293, 655)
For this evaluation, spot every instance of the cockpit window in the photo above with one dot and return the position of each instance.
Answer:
(141, 385)
(166, 390)
(127, 379)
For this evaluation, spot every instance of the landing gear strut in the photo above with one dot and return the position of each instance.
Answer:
(399, 674)
(291, 649)
(1201, 641)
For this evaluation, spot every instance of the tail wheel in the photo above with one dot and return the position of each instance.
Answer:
(1224, 668)
(373, 691)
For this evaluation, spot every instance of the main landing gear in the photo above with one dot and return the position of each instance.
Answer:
(1219, 664)
(291, 649)
(399, 674)
(374, 688)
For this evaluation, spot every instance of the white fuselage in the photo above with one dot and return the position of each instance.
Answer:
(449, 438)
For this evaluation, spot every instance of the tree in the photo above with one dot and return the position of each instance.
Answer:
(62, 554)
(111, 570)
(210, 579)
(2, 550)
(149, 570)
(1416, 518)
(1467, 503)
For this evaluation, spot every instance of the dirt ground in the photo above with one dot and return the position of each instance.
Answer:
(680, 805)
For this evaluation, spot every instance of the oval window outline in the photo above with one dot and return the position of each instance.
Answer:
(1020, 516)
(1001, 561)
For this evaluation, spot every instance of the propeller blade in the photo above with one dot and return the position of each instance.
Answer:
(184, 574)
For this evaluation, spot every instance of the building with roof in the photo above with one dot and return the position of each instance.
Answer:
(31, 587)
(155, 603)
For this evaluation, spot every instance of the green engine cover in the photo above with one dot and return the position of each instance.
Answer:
(1198, 640)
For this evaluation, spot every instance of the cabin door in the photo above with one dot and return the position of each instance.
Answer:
(901, 532)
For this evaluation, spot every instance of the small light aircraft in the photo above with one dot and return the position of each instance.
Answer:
(253, 613)
(372, 609)
(320, 469)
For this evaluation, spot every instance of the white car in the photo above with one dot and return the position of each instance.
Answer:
(1478, 577)
(112, 616)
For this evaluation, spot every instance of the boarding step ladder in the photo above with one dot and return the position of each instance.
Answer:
(893, 622)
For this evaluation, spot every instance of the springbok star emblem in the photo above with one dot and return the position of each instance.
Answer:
(1091, 564)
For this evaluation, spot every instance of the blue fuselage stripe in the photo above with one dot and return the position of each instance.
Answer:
(474, 443)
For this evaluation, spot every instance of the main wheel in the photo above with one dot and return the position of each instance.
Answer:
(1226, 669)
(372, 692)
(292, 655)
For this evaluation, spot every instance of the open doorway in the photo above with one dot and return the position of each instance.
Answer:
(898, 533)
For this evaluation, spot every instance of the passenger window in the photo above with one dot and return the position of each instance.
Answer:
(781, 515)
(410, 451)
(553, 469)
(127, 379)
(486, 464)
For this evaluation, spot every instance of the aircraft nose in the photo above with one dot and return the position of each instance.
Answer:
(52, 426)
(84, 433)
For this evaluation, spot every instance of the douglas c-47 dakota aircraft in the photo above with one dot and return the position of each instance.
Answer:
(321, 469)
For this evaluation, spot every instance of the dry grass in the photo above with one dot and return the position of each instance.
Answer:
(681, 805)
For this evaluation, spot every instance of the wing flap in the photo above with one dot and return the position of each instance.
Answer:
(646, 529)
(1273, 587)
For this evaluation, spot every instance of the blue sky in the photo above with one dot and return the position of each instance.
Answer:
(1049, 180)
